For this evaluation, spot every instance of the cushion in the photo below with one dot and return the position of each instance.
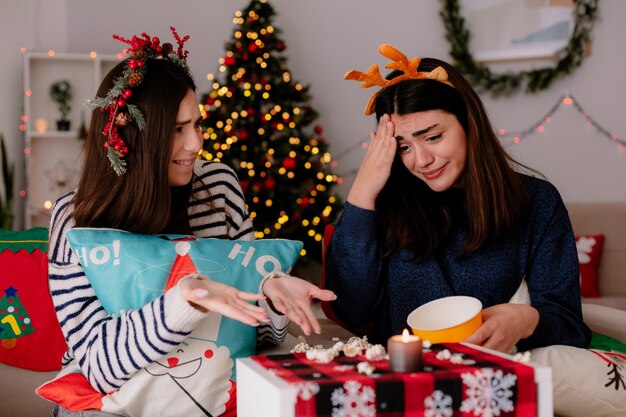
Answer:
(589, 253)
(28, 322)
(128, 270)
(586, 382)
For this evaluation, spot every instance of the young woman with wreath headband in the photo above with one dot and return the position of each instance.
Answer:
(140, 174)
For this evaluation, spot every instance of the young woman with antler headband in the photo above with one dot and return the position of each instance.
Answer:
(140, 175)
(437, 209)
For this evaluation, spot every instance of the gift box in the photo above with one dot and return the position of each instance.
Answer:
(476, 382)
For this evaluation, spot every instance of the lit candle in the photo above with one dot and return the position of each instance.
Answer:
(41, 125)
(405, 353)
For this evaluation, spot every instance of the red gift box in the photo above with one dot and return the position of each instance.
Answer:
(485, 384)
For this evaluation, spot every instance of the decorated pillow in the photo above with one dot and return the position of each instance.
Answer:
(586, 382)
(589, 253)
(30, 334)
(128, 270)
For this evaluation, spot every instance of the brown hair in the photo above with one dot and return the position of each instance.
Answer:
(495, 198)
(140, 200)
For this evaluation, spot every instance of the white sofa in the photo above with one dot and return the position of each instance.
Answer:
(606, 315)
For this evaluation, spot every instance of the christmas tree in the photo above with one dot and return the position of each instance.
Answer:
(14, 320)
(258, 120)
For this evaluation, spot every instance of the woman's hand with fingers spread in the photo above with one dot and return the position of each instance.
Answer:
(292, 297)
(504, 325)
(376, 165)
(223, 299)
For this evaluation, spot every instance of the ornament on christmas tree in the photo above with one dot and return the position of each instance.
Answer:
(258, 119)
(289, 164)
(270, 183)
(14, 319)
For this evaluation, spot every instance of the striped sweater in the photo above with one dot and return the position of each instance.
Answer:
(110, 349)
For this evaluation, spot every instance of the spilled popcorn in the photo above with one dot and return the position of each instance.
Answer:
(444, 355)
(365, 368)
(522, 357)
(355, 346)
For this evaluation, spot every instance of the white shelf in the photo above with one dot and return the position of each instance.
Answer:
(53, 157)
(70, 134)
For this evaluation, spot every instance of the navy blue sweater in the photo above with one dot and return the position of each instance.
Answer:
(381, 290)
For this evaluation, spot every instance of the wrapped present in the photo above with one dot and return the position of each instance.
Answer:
(458, 380)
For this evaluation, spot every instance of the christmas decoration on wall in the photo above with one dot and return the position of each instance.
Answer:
(258, 119)
(539, 126)
(480, 76)
(62, 177)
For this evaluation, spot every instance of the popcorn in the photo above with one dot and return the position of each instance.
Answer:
(426, 344)
(321, 355)
(311, 354)
(339, 346)
(522, 357)
(353, 347)
(365, 368)
(301, 347)
(456, 358)
(352, 350)
(444, 355)
(376, 353)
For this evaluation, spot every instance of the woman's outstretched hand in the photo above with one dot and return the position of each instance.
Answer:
(376, 165)
(292, 297)
(224, 299)
(504, 325)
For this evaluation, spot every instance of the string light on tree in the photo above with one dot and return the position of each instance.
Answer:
(257, 117)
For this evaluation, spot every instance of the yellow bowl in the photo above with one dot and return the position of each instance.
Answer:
(446, 320)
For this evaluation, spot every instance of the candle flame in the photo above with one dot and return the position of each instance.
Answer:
(405, 336)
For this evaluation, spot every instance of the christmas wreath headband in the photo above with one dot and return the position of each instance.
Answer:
(121, 112)
(372, 77)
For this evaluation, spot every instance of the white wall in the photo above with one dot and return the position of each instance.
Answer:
(325, 38)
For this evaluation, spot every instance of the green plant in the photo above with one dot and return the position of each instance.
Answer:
(61, 93)
(6, 201)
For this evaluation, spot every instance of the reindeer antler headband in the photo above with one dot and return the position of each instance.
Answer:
(116, 100)
(372, 77)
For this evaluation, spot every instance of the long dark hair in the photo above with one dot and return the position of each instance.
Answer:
(140, 200)
(495, 198)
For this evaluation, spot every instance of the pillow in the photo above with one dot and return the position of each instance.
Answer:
(128, 270)
(589, 249)
(586, 382)
(28, 322)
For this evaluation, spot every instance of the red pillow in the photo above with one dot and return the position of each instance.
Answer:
(30, 335)
(589, 253)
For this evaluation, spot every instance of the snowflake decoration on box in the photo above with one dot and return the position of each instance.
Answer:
(438, 405)
(308, 390)
(354, 400)
(488, 392)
